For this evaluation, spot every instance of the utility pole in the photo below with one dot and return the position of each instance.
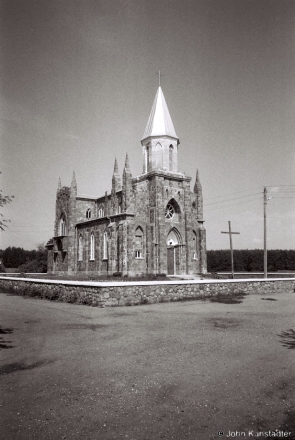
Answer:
(265, 237)
(231, 247)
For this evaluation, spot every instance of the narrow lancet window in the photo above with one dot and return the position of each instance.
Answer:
(138, 243)
(62, 226)
(195, 246)
(105, 246)
(92, 243)
(147, 158)
(80, 249)
(170, 158)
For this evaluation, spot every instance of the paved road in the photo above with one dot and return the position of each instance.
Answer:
(180, 370)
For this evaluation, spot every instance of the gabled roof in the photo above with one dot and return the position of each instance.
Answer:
(160, 122)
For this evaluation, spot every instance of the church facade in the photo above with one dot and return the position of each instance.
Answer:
(149, 224)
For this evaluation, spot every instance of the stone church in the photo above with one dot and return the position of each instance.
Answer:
(149, 224)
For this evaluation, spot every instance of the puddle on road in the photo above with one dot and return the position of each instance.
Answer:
(223, 298)
(92, 327)
(4, 331)
(224, 323)
(12, 368)
(3, 343)
(119, 314)
(288, 338)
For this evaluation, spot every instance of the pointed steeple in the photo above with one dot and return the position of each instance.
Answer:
(198, 197)
(59, 184)
(127, 165)
(198, 186)
(116, 179)
(160, 122)
(116, 186)
(160, 141)
(74, 185)
(127, 186)
(116, 170)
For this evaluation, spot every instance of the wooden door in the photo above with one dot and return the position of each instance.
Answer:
(170, 260)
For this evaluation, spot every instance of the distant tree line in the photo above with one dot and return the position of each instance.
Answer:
(217, 261)
(25, 261)
(250, 260)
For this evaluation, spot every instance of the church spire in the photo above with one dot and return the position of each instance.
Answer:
(198, 196)
(116, 170)
(59, 184)
(116, 180)
(160, 122)
(116, 186)
(74, 185)
(198, 186)
(160, 141)
(127, 187)
(127, 165)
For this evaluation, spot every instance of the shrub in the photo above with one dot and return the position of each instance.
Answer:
(34, 291)
(34, 266)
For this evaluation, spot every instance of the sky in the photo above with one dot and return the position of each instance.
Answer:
(77, 83)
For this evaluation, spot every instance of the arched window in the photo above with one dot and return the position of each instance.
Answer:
(169, 211)
(174, 238)
(195, 246)
(159, 156)
(80, 248)
(100, 212)
(105, 246)
(92, 243)
(171, 158)
(172, 211)
(147, 158)
(139, 242)
(62, 226)
(88, 213)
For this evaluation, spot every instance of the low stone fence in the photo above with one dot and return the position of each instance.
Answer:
(134, 293)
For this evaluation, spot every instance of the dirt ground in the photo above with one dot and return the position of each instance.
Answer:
(182, 370)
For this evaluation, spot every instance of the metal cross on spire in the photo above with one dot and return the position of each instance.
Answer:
(159, 73)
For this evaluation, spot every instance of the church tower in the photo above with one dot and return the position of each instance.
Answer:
(160, 141)
(148, 224)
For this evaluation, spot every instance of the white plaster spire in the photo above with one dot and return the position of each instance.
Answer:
(160, 122)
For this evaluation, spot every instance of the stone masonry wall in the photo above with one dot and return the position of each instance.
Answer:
(132, 293)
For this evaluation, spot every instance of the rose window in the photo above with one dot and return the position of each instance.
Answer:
(169, 211)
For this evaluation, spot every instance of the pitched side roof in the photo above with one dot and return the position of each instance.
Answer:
(160, 122)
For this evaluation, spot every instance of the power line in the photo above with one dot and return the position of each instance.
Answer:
(233, 204)
(246, 190)
(236, 192)
(235, 198)
(283, 197)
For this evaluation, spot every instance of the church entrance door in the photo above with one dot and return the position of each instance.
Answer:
(170, 260)
(173, 252)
